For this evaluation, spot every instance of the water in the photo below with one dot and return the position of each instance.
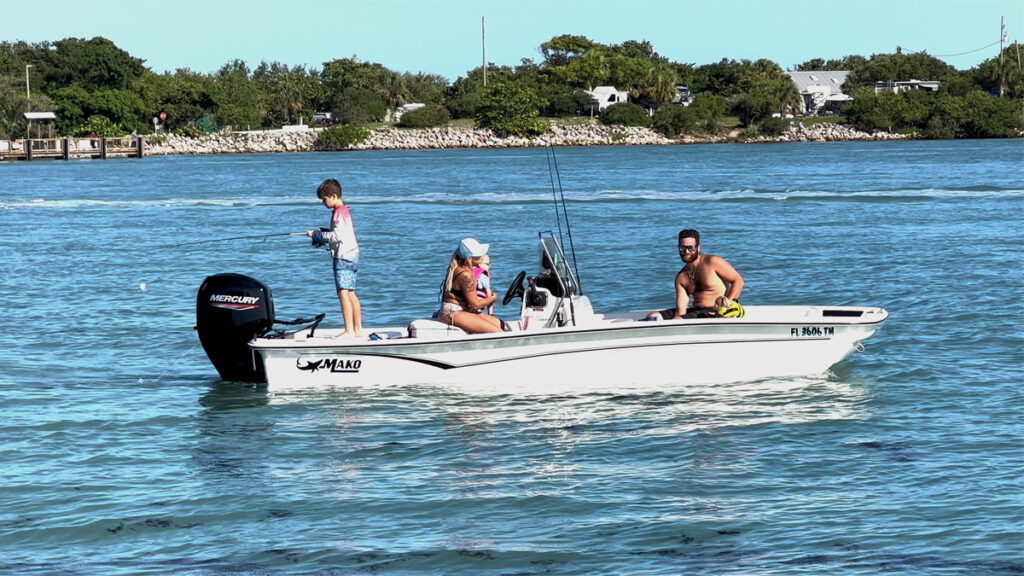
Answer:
(123, 454)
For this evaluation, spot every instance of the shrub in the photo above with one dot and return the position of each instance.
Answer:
(190, 131)
(340, 137)
(508, 108)
(625, 114)
(709, 108)
(359, 105)
(99, 125)
(673, 120)
(561, 105)
(426, 117)
(987, 116)
(772, 126)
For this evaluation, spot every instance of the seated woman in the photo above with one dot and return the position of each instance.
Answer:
(460, 304)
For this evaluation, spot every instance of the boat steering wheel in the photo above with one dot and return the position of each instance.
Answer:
(516, 289)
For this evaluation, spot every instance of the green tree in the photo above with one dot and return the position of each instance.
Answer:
(122, 107)
(718, 78)
(191, 97)
(904, 111)
(593, 68)
(884, 67)
(360, 106)
(959, 84)
(844, 63)
(988, 116)
(425, 88)
(990, 73)
(345, 75)
(13, 105)
(289, 91)
(509, 109)
(466, 93)
(240, 103)
(710, 109)
(947, 119)
(642, 50)
(74, 107)
(392, 89)
(561, 50)
(764, 97)
(660, 85)
(95, 64)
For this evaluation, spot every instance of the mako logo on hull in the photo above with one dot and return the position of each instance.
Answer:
(335, 365)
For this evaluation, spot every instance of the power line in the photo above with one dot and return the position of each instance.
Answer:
(951, 55)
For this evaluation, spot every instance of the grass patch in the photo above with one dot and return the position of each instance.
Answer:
(730, 123)
(572, 121)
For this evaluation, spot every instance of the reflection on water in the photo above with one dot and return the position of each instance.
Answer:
(682, 408)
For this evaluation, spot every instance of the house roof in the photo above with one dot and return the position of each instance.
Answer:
(40, 116)
(600, 91)
(831, 78)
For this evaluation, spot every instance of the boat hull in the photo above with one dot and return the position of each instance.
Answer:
(613, 352)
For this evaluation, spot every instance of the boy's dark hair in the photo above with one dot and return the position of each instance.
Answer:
(328, 188)
(689, 233)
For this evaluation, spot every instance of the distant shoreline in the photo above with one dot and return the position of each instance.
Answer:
(273, 141)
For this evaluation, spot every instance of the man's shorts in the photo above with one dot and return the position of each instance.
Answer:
(691, 313)
(345, 273)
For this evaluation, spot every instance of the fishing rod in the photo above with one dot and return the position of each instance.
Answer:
(565, 213)
(551, 176)
(263, 236)
(143, 285)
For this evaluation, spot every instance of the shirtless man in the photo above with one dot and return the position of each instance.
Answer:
(706, 277)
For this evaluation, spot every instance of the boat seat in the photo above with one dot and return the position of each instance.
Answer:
(430, 328)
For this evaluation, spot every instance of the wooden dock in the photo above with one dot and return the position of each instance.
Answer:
(68, 148)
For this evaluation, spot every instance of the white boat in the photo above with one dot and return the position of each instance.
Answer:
(558, 343)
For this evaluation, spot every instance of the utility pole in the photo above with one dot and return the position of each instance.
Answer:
(483, 43)
(1002, 76)
(28, 92)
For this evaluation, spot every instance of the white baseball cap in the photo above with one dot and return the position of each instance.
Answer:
(470, 248)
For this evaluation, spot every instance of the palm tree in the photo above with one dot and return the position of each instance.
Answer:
(661, 86)
(391, 88)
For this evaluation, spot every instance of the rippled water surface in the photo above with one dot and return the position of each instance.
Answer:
(123, 453)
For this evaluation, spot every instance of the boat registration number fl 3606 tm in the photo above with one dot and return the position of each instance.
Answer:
(804, 331)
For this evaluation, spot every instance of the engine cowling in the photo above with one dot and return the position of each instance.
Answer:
(231, 310)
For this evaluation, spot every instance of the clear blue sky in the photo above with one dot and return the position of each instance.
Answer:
(443, 36)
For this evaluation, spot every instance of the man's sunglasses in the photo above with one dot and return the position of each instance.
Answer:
(687, 249)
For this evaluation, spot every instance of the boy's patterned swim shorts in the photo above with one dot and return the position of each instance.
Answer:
(345, 274)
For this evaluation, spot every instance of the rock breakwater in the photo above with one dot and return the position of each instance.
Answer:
(834, 132)
(434, 138)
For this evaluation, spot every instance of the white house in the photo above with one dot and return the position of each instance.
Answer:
(603, 97)
(901, 85)
(406, 108)
(819, 87)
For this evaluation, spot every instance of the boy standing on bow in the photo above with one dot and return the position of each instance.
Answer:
(341, 240)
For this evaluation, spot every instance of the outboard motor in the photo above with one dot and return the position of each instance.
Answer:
(231, 310)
